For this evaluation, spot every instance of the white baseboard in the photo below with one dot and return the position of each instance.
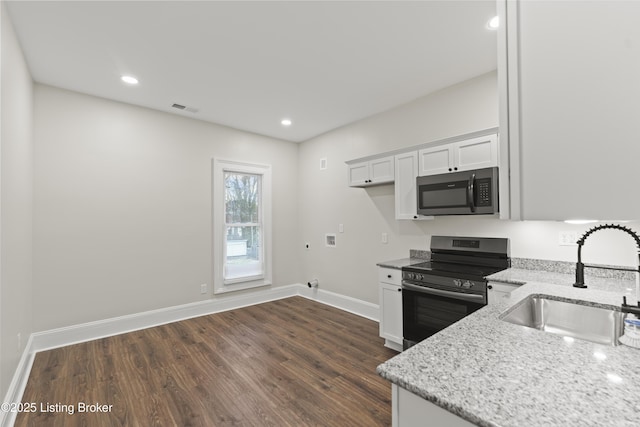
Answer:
(343, 302)
(75, 334)
(18, 383)
(393, 345)
(61, 337)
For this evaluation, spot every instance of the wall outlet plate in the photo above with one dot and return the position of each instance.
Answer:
(567, 238)
(203, 288)
(330, 240)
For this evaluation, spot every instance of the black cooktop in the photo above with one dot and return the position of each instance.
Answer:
(453, 270)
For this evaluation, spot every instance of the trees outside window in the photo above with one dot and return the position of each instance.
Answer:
(243, 225)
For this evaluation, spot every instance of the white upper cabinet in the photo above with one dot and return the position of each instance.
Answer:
(569, 76)
(477, 153)
(381, 170)
(436, 160)
(359, 174)
(373, 172)
(406, 166)
(401, 167)
(474, 153)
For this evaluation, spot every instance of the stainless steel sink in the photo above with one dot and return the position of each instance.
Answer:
(570, 319)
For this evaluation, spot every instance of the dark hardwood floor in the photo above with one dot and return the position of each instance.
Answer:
(291, 362)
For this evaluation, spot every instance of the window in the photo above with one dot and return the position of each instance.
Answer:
(242, 225)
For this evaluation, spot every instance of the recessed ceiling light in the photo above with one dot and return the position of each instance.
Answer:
(286, 122)
(494, 23)
(129, 80)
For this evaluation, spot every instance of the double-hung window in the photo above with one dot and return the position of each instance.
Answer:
(242, 225)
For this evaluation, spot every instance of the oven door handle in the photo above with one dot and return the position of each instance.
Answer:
(439, 292)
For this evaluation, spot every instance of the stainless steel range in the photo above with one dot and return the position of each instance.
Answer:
(452, 285)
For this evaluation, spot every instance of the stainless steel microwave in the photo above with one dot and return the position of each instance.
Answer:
(473, 192)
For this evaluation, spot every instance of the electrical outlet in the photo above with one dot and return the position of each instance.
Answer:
(203, 288)
(385, 238)
(567, 238)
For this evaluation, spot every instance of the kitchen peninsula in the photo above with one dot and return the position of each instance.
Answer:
(488, 372)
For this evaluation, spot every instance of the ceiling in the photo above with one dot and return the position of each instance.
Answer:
(248, 65)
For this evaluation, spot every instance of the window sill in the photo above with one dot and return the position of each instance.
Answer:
(239, 286)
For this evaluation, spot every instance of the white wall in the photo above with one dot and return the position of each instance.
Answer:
(326, 201)
(16, 194)
(122, 204)
(122, 218)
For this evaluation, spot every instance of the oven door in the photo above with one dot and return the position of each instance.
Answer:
(426, 310)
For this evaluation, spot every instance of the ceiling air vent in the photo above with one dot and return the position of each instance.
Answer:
(185, 108)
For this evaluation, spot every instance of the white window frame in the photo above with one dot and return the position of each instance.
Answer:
(219, 167)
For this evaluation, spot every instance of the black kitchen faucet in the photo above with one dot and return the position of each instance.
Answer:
(580, 266)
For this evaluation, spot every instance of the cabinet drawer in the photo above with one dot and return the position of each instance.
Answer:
(390, 275)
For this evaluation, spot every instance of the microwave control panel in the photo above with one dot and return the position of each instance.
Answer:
(483, 192)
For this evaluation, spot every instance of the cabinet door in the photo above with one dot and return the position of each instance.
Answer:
(381, 170)
(391, 312)
(406, 172)
(358, 174)
(476, 153)
(411, 410)
(577, 95)
(435, 160)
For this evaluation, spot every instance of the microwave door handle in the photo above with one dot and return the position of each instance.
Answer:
(470, 192)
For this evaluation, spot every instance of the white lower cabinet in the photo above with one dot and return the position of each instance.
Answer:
(410, 410)
(499, 290)
(391, 307)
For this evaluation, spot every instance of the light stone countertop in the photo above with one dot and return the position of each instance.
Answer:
(494, 373)
(399, 263)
